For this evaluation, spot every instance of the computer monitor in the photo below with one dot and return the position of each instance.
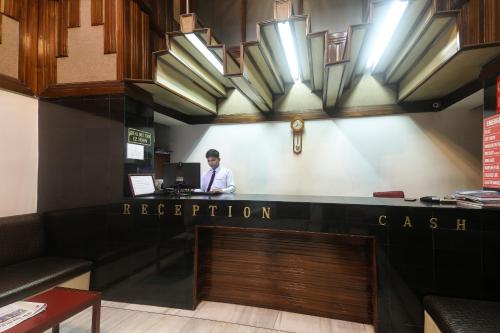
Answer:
(141, 184)
(182, 175)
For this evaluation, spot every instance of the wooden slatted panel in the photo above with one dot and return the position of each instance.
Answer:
(159, 15)
(137, 42)
(110, 26)
(11, 8)
(336, 46)
(158, 43)
(97, 12)
(318, 274)
(145, 57)
(62, 29)
(73, 13)
(492, 21)
(28, 33)
(47, 36)
(472, 29)
(1, 16)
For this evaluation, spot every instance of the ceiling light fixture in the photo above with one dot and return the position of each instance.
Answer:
(385, 32)
(205, 51)
(291, 56)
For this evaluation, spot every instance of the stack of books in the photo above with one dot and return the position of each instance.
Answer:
(478, 199)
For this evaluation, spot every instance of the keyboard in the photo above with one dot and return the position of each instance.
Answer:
(205, 193)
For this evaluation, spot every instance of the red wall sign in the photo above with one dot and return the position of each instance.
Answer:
(498, 94)
(491, 152)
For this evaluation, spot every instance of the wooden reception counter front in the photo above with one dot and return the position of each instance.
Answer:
(368, 260)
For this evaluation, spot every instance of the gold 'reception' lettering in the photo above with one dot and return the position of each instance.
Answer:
(178, 210)
(212, 209)
(407, 223)
(161, 209)
(144, 209)
(461, 224)
(246, 212)
(266, 213)
(382, 220)
(196, 208)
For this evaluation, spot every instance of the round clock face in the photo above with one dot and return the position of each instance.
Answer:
(297, 124)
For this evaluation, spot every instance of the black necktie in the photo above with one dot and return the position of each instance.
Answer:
(211, 182)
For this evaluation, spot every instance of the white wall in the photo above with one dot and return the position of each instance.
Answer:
(422, 154)
(18, 154)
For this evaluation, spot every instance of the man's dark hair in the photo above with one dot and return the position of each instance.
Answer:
(212, 153)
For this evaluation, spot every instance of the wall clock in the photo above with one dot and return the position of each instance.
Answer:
(297, 125)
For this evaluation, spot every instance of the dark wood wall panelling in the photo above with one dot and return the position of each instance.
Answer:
(21, 10)
(312, 273)
(97, 12)
(472, 25)
(133, 29)
(336, 46)
(110, 34)
(491, 21)
(136, 27)
(47, 43)
(11, 8)
(145, 26)
(479, 19)
(62, 28)
(54, 19)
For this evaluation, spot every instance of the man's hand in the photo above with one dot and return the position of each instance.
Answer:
(216, 190)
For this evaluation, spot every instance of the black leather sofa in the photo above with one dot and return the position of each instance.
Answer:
(456, 315)
(118, 245)
(25, 266)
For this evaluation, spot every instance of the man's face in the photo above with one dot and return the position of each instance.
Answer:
(213, 162)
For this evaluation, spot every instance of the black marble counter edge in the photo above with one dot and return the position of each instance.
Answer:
(363, 201)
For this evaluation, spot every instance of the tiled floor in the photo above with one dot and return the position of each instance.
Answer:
(209, 317)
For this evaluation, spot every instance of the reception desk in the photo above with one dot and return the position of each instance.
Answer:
(393, 250)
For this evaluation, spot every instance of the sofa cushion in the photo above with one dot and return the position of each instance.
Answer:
(21, 238)
(26, 278)
(456, 315)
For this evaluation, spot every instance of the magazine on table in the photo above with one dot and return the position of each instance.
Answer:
(15, 313)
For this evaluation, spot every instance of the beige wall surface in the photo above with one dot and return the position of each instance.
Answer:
(86, 60)
(421, 154)
(18, 154)
(9, 47)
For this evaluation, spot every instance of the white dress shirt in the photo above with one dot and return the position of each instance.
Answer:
(223, 180)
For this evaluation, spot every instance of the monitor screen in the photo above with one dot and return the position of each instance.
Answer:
(142, 184)
(185, 175)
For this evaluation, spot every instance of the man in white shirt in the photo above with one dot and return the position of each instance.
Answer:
(218, 179)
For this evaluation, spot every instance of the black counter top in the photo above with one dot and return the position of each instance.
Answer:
(367, 201)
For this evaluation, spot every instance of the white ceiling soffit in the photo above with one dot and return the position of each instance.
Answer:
(167, 121)
(468, 103)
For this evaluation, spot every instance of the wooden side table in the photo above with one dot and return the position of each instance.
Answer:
(62, 303)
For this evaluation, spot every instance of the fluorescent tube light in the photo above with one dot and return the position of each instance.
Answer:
(384, 35)
(205, 51)
(291, 56)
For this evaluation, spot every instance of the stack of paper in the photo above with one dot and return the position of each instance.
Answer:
(478, 199)
(15, 313)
